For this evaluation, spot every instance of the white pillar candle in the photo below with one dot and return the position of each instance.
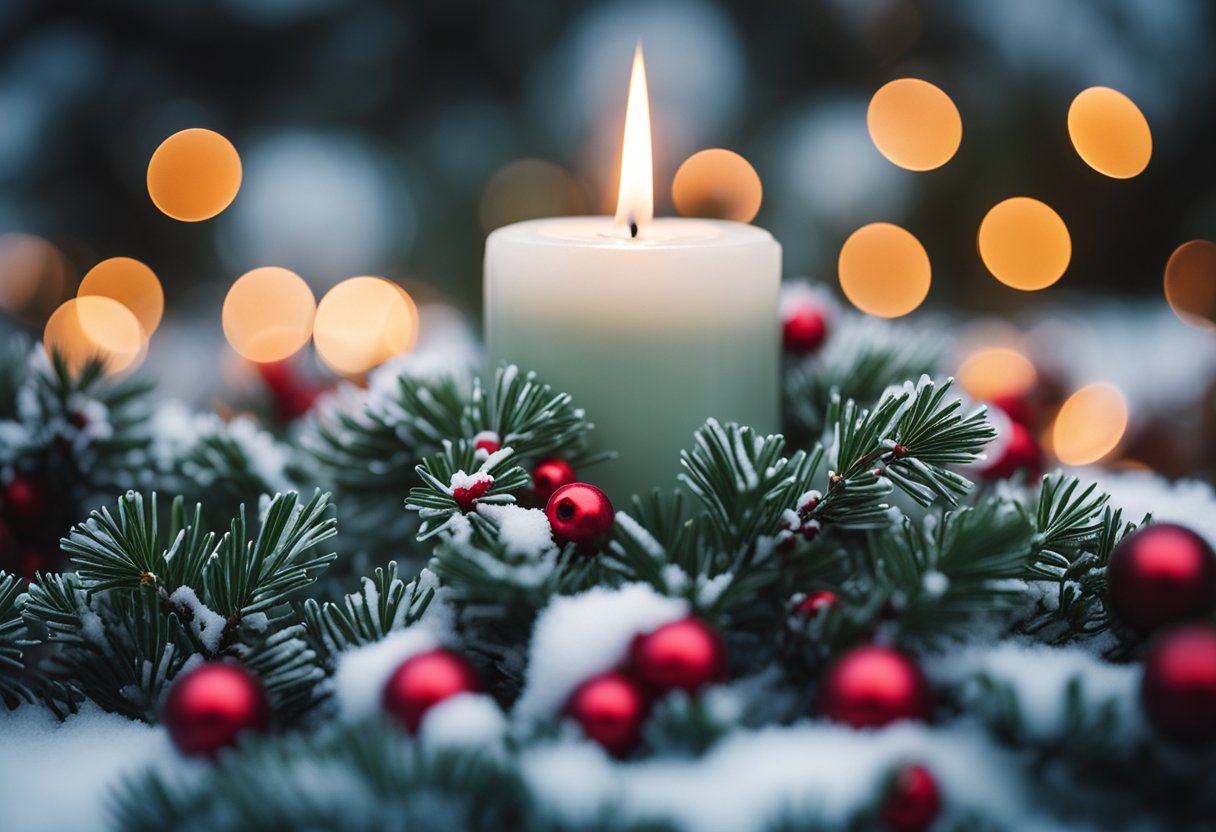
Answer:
(652, 326)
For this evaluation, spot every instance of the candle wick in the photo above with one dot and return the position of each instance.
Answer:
(633, 229)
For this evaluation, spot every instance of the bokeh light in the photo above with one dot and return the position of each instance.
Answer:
(719, 184)
(1089, 425)
(1190, 283)
(528, 189)
(194, 175)
(1024, 243)
(914, 124)
(362, 322)
(268, 314)
(132, 284)
(34, 276)
(95, 327)
(995, 372)
(1110, 133)
(884, 270)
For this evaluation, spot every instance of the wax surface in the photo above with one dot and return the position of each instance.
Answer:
(650, 336)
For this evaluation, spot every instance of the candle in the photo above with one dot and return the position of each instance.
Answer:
(652, 325)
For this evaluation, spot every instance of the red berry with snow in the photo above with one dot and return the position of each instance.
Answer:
(209, 707)
(580, 514)
(871, 686)
(686, 655)
(488, 442)
(913, 800)
(549, 475)
(814, 603)
(803, 330)
(423, 681)
(468, 489)
(611, 709)
(1161, 574)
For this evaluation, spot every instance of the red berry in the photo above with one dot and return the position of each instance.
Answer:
(580, 514)
(682, 655)
(487, 441)
(815, 603)
(1161, 574)
(467, 495)
(803, 330)
(425, 680)
(611, 709)
(550, 475)
(871, 686)
(210, 706)
(913, 801)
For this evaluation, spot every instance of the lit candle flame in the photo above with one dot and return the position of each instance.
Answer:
(635, 200)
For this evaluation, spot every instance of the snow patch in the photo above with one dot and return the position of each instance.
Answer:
(206, 624)
(581, 635)
(467, 720)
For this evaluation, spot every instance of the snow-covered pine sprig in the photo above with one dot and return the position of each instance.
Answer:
(456, 479)
(14, 638)
(143, 603)
(385, 604)
(364, 446)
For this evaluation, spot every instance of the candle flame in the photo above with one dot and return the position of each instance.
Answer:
(635, 199)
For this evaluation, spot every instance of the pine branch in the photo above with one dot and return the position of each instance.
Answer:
(385, 604)
(489, 481)
(14, 638)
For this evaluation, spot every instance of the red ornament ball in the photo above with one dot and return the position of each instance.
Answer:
(913, 800)
(871, 686)
(424, 680)
(1178, 691)
(815, 603)
(803, 330)
(1161, 574)
(24, 502)
(611, 709)
(210, 706)
(472, 490)
(550, 475)
(1016, 407)
(686, 655)
(1022, 453)
(580, 514)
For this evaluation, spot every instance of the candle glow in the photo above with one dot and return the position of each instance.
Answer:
(635, 198)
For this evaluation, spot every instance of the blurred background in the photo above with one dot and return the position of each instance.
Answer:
(388, 138)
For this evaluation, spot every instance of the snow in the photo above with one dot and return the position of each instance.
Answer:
(467, 481)
(362, 672)
(578, 636)
(206, 624)
(747, 779)
(523, 531)
(1039, 675)
(84, 758)
(468, 720)
(1188, 503)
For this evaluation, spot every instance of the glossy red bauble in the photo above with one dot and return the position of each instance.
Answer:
(681, 655)
(210, 706)
(548, 475)
(1178, 691)
(580, 514)
(815, 603)
(1161, 574)
(803, 330)
(871, 686)
(424, 680)
(1017, 408)
(913, 801)
(611, 709)
(1021, 453)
